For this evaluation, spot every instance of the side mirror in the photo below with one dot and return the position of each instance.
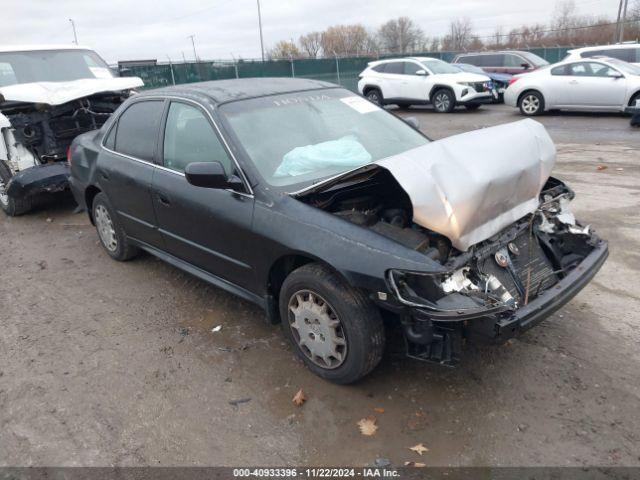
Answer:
(421, 72)
(526, 66)
(412, 122)
(210, 175)
(617, 75)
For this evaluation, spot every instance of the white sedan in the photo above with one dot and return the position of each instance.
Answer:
(595, 84)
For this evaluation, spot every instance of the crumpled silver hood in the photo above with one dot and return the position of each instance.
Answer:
(469, 187)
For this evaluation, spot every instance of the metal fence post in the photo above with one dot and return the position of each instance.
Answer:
(173, 78)
(293, 70)
(337, 67)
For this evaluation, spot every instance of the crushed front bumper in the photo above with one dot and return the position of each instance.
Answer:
(505, 325)
(49, 178)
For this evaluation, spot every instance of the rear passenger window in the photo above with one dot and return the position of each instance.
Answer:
(395, 67)
(561, 70)
(625, 54)
(380, 68)
(411, 68)
(490, 60)
(190, 138)
(137, 130)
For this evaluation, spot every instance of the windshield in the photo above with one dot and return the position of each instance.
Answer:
(465, 67)
(51, 66)
(304, 137)
(624, 66)
(535, 59)
(438, 66)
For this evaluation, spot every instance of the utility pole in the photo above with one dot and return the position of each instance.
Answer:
(624, 19)
(184, 59)
(75, 35)
(260, 27)
(193, 43)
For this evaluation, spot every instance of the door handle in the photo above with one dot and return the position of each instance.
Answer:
(163, 199)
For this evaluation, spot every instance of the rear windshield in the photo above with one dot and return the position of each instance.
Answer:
(51, 66)
(534, 59)
(301, 138)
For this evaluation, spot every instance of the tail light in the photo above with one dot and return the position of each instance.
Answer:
(69, 155)
(513, 80)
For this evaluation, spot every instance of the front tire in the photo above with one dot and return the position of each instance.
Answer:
(444, 101)
(11, 206)
(334, 328)
(111, 234)
(531, 104)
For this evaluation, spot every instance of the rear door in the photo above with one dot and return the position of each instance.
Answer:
(392, 80)
(126, 168)
(208, 228)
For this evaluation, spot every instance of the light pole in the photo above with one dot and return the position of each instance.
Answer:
(260, 27)
(75, 35)
(193, 43)
(624, 19)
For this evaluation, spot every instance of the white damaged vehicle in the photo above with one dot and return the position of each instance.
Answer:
(48, 96)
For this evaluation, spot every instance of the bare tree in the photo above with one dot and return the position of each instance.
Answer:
(284, 49)
(401, 35)
(345, 40)
(311, 44)
(459, 36)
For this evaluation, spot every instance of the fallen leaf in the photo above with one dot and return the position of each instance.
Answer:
(601, 167)
(368, 426)
(378, 410)
(299, 398)
(419, 449)
(415, 464)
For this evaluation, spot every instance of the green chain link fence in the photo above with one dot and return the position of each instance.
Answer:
(342, 70)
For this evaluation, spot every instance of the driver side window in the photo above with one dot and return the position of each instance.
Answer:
(190, 138)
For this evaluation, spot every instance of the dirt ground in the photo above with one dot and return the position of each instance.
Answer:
(106, 363)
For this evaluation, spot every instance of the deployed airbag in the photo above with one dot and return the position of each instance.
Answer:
(346, 152)
(469, 187)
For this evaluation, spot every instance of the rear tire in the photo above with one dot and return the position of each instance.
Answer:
(334, 328)
(11, 206)
(374, 95)
(111, 234)
(443, 101)
(531, 103)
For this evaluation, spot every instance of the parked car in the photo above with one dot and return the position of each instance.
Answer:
(508, 61)
(500, 80)
(627, 52)
(326, 210)
(48, 96)
(423, 80)
(597, 84)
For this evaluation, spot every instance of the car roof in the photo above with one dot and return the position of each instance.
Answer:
(38, 48)
(490, 52)
(222, 91)
(605, 47)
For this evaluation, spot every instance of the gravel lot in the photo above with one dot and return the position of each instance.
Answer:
(106, 363)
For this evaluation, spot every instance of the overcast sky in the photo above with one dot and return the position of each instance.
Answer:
(121, 29)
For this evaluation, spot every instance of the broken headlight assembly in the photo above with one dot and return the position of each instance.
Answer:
(455, 295)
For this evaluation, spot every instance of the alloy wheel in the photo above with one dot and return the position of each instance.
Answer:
(530, 104)
(442, 102)
(105, 227)
(373, 97)
(317, 329)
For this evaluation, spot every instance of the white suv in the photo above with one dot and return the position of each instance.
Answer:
(422, 80)
(627, 52)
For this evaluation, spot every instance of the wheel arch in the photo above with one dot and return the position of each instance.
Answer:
(634, 96)
(89, 194)
(440, 86)
(280, 270)
(530, 90)
(368, 87)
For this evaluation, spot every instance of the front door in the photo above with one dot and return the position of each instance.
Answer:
(208, 228)
(596, 84)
